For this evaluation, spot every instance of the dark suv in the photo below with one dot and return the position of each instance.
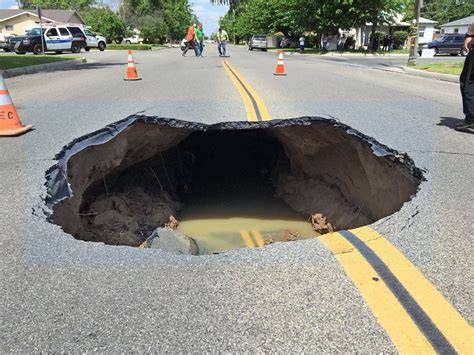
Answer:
(448, 44)
(56, 39)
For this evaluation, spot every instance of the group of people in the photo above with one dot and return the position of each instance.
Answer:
(195, 40)
(286, 43)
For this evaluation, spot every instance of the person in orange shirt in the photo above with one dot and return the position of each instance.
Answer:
(191, 41)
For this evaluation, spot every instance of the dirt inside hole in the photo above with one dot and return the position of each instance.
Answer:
(122, 190)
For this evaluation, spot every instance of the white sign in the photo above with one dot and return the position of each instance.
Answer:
(428, 53)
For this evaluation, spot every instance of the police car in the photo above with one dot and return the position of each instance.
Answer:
(56, 39)
(93, 40)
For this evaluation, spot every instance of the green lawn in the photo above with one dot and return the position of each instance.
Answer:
(453, 67)
(9, 61)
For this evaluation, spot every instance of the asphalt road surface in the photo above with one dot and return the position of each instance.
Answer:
(64, 295)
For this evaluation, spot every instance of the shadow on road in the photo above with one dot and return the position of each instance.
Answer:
(93, 65)
(449, 122)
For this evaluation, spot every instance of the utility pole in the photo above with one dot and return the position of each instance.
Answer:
(233, 23)
(41, 28)
(414, 34)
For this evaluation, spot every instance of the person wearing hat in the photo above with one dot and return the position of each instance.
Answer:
(467, 85)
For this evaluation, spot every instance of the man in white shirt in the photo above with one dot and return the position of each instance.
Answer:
(301, 40)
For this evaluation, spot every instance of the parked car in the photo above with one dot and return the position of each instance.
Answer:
(92, 39)
(259, 42)
(447, 44)
(4, 42)
(56, 39)
(134, 39)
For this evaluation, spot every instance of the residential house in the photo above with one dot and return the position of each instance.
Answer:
(426, 30)
(362, 34)
(17, 22)
(459, 26)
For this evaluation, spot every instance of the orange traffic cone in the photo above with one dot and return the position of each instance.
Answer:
(10, 124)
(280, 68)
(131, 70)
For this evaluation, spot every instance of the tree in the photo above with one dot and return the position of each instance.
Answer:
(233, 4)
(444, 11)
(106, 22)
(158, 19)
(268, 17)
(293, 17)
(152, 28)
(177, 16)
(57, 4)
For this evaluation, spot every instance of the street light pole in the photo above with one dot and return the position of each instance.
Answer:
(233, 23)
(414, 34)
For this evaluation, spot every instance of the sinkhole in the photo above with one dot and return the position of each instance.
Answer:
(230, 185)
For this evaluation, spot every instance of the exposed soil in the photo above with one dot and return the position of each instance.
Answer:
(117, 188)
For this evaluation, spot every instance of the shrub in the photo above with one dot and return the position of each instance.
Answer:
(380, 35)
(135, 47)
(399, 38)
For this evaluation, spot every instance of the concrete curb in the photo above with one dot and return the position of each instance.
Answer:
(346, 54)
(431, 75)
(370, 55)
(421, 73)
(32, 69)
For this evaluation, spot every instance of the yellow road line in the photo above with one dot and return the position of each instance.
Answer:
(254, 104)
(454, 327)
(258, 238)
(389, 312)
(247, 239)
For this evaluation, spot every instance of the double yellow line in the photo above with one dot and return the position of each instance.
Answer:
(415, 315)
(252, 243)
(254, 104)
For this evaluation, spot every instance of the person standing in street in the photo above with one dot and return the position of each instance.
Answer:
(467, 85)
(191, 41)
(301, 40)
(200, 38)
(222, 38)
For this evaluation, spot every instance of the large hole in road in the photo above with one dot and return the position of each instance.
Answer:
(230, 185)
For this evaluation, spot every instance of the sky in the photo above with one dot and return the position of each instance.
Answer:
(206, 12)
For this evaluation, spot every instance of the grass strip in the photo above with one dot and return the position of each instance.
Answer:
(451, 67)
(10, 61)
(133, 47)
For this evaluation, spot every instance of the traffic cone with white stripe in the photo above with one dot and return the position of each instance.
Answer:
(10, 124)
(280, 68)
(132, 74)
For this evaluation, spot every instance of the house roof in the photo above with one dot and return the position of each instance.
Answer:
(427, 21)
(54, 15)
(467, 21)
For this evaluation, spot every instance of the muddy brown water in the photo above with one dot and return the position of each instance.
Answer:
(245, 214)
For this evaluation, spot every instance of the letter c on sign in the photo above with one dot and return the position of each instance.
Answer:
(10, 115)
